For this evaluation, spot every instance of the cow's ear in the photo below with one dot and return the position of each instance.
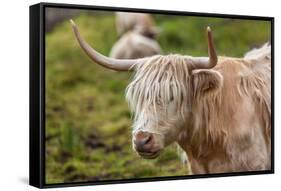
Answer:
(206, 81)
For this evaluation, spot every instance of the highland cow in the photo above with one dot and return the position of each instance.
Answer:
(218, 109)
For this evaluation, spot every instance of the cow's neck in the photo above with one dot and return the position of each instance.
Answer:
(201, 142)
(204, 137)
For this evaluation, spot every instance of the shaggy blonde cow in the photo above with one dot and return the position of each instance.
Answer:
(218, 109)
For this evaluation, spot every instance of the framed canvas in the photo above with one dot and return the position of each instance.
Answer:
(123, 95)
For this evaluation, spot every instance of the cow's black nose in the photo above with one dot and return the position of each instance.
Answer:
(143, 141)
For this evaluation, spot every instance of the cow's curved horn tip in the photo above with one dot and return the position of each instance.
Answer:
(72, 22)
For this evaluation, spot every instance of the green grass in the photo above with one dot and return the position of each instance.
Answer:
(88, 123)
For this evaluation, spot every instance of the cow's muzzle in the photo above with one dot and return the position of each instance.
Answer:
(145, 145)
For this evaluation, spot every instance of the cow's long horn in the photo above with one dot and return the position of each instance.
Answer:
(207, 62)
(111, 63)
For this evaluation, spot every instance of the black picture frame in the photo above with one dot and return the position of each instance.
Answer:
(37, 94)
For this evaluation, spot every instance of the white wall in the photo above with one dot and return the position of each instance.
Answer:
(14, 51)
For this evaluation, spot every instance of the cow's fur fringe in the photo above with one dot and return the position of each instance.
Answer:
(158, 81)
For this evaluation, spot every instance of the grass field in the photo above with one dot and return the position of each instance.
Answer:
(88, 122)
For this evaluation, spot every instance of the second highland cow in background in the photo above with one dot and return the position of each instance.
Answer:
(137, 36)
(133, 45)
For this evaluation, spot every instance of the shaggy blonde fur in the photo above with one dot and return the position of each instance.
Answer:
(164, 75)
(225, 112)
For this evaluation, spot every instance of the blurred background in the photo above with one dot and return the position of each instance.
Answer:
(88, 122)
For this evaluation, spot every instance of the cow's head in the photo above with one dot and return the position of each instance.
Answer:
(161, 93)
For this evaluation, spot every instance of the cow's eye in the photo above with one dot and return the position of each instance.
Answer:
(158, 102)
(171, 98)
